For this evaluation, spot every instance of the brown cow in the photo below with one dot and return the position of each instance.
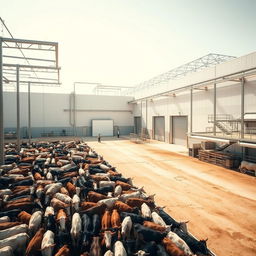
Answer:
(64, 191)
(57, 204)
(112, 173)
(125, 186)
(137, 202)
(106, 220)
(97, 178)
(97, 209)
(61, 219)
(171, 248)
(95, 197)
(24, 217)
(87, 205)
(115, 219)
(25, 206)
(71, 189)
(37, 176)
(5, 225)
(154, 226)
(63, 251)
(122, 207)
(69, 174)
(34, 245)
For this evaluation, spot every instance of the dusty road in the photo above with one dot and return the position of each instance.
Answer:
(220, 204)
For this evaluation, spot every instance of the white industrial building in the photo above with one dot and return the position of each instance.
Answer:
(199, 101)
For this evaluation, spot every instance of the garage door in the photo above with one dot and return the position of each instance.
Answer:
(179, 126)
(137, 124)
(102, 127)
(159, 128)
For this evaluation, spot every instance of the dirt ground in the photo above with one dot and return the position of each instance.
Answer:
(220, 204)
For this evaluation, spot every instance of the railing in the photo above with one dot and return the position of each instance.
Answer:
(220, 117)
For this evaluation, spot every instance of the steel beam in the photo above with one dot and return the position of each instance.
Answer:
(26, 58)
(191, 110)
(29, 114)
(214, 109)
(26, 41)
(1, 108)
(18, 107)
(242, 107)
(30, 66)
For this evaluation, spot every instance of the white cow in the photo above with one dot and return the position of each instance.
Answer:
(64, 198)
(23, 228)
(119, 249)
(75, 202)
(180, 243)
(109, 202)
(76, 228)
(47, 245)
(35, 221)
(6, 251)
(4, 219)
(17, 242)
(108, 253)
(157, 219)
(126, 227)
(145, 211)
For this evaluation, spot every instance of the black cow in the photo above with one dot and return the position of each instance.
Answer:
(135, 217)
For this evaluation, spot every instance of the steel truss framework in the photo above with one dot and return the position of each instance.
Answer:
(208, 60)
(18, 67)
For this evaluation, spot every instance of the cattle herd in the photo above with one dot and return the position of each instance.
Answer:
(62, 198)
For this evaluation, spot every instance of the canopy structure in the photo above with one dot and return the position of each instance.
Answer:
(29, 62)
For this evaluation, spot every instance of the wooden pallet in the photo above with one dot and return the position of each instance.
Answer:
(218, 158)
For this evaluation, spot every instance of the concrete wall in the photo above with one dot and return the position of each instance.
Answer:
(51, 113)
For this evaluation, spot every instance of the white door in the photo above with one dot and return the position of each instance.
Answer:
(102, 127)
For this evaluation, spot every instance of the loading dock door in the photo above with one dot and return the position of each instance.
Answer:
(137, 124)
(179, 130)
(102, 127)
(159, 128)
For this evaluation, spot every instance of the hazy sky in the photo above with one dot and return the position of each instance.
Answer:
(122, 42)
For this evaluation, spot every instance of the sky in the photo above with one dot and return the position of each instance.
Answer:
(125, 42)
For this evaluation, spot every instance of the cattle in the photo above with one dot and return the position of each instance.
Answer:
(147, 234)
(157, 219)
(171, 248)
(35, 222)
(137, 202)
(97, 209)
(53, 189)
(96, 224)
(247, 166)
(149, 249)
(71, 189)
(64, 191)
(87, 205)
(63, 251)
(126, 227)
(122, 207)
(49, 211)
(4, 219)
(5, 225)
(76, 229)
(75, 202)
(50, 223)
(35, 243)
(57, 204)
(107, 237)
(95, 197)
(47, 245)
(108, 253)
(63, 197)
(135, 217)
(104, 190)
(179, 242)
(194, 245)
(115, 219)
(124, 186)
(109, 202)
(17, 242)
(61, 219)
(145, 211)
(13, 231)
(6, 251)
(10, 214)
(106, 183)
(87, 231)
(106, 220)
(156, 227)
(119, 249)
(95, 249)
(118, 190)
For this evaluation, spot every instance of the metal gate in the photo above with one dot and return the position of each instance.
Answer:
(137, 124)
(179, 129)
(159, 128)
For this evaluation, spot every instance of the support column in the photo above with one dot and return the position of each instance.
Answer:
(191, 110)
(1, 108)
(242, 107)
(147, 116)
(75, 133)
(214, 109)
(29, 114)
(141, 117)
(18, 107)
